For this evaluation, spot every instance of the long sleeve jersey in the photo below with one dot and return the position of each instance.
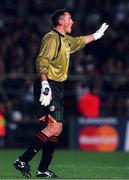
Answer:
(54, 55)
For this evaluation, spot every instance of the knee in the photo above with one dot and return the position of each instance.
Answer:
(59, 130)
(55, 128)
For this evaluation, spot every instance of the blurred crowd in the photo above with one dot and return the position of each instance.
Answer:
(104, 63)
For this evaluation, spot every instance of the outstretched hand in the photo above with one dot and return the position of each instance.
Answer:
(100, 32)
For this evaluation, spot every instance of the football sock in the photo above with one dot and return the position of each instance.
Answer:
(38, 141)
(47, 153)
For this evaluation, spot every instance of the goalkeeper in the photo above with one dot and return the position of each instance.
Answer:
(52, 68)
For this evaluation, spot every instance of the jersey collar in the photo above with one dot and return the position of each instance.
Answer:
(58, 32)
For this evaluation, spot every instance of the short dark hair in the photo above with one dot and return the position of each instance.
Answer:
(56, 16)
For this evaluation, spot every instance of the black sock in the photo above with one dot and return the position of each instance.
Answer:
(38, 141)
(47, 153)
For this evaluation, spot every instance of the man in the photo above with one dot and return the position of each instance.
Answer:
(52, 68)
(89, 102)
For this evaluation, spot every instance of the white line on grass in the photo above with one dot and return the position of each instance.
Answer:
(96, 167)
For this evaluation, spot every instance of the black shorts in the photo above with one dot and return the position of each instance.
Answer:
(55, 109)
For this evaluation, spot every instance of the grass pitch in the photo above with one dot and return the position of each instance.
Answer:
(71, 165)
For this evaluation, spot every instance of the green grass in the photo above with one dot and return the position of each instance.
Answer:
(72, 164)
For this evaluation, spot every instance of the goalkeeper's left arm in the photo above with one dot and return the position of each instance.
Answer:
(97, 35)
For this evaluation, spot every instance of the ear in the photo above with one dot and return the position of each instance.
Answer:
(61, 22)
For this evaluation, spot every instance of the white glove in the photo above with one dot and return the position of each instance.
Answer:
(46, 94)
(99, 33)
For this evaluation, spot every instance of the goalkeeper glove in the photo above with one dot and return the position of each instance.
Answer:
(46, 94)
(99, 33)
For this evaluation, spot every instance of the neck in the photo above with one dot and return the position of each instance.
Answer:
(60, 30)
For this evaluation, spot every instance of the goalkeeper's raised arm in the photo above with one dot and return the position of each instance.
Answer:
(97, 35)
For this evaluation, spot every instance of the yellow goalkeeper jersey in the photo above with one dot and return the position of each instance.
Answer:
(54, 55)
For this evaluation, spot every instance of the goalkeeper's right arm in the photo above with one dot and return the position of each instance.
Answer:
(46, 94)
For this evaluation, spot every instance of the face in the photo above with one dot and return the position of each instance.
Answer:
(67, 22)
